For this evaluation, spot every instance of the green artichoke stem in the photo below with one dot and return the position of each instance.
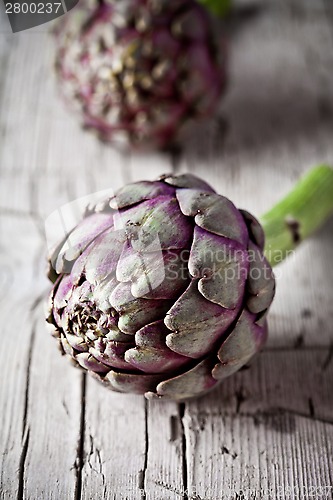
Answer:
(220, 8)
(299, 214)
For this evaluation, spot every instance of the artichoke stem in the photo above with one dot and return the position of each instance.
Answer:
(299, 214)
(219, 8)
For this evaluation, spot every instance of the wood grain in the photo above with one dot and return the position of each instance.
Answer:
(269, 426)
(114, 444)
(52, 426)
(264, 456)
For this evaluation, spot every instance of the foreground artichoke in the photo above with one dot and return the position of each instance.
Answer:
(141, 72)
(162, 290)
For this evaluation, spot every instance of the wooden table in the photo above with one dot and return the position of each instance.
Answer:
(267, 432)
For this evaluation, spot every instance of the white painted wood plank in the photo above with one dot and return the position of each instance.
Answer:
(51, 466)
(114, 445)
(149, 165)
(21, 99)
(4, 22)
(15, 193)
(296, 381)
(302, 312)
(272, 456)
(30, 392)
(164, 477)
(259, 429)
(132, 448)
(16, 276)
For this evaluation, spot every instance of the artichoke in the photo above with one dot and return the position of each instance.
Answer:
(162, 289)
(141, 72)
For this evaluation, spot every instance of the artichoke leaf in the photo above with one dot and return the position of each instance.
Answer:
(261, 282)
(255, 230)
(221, 266)
(137, 192)
(157, 275)
(215, 213)
(240, 346)
(134, 313)
(151, 353)
(187, 181)
(87, 361)
(196, 323)
(79, 238)
(155, 224)
(192, 383)
(130, 382)
(111, 353)
(103, 256)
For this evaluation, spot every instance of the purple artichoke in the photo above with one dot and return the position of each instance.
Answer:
(141, 72)
(162, 290)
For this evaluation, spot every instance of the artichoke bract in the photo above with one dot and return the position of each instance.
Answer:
(141, 72)
(162, 290)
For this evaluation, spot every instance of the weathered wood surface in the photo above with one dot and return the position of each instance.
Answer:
(268, 430)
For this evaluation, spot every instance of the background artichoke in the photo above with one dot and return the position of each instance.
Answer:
(141, 71)
(162, 290)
